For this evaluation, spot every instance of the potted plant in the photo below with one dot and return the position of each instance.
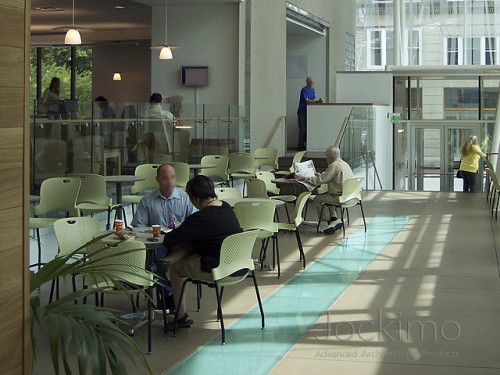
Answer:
(96, 334)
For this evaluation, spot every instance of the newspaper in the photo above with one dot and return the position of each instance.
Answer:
(307, 170)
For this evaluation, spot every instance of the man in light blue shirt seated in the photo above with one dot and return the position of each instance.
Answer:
(167, 206)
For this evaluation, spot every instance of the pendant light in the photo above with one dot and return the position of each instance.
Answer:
(117, 76)
(73, 37)
(165, 51)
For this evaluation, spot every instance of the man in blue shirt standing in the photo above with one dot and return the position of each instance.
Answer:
(307, 96)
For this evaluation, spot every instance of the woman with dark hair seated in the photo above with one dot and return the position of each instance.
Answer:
(198, 239)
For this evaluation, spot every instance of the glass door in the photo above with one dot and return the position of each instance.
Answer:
(425, 167)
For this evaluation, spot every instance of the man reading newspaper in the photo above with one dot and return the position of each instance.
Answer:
(334, 175)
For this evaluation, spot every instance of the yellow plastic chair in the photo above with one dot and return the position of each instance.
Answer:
(297, 220)
(72, 233)
(124, 261)
(93, 198)
(181, 173)
(257, 188)
(260, 215)
(297, 158)
(218, 174)
(228, 193)
(235, 265)
(266, 157)
(241, 166)
(351, 196)
(149, 172)
(495, 199)
(272, 189)
(56, 194)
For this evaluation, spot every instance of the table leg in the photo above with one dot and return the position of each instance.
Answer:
(119, 199)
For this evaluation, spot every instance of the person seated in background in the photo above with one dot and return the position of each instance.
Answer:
(145, 149)
(194, 247)
(155, 109)
(106, 110)
(50, 103)
(167, 206)
(334, 175)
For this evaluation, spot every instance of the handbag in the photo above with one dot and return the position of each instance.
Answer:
(459, 172)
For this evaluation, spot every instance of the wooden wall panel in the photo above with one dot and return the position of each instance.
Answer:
(14, 185)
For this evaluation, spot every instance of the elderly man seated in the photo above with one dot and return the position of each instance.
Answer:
(334, 175)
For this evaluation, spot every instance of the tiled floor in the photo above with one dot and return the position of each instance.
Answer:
(439, 272)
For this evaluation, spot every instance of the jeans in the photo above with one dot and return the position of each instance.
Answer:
(302, 119)
(162, 252)
(470, 181)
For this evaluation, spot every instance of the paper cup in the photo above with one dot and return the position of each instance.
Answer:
(156, 231)
(118, 225)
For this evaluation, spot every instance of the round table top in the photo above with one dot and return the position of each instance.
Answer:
(124, 178)
(202, 166)
(232, 201)
(34, 198)
(141, 234)
(285, 181)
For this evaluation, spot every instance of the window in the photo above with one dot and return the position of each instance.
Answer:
(461, 103)
(350, 52)
(453, 51)
(381, 47)
(489, 57)
(414, 51)
(472, 50)
(375, 48)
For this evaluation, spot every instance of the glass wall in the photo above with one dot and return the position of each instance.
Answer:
(113, 138)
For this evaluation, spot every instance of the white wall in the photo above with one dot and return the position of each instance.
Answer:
(207, 35)
(315, 47)
(133, 60)
(364, 87)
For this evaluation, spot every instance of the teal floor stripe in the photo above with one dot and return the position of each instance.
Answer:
(292, 309)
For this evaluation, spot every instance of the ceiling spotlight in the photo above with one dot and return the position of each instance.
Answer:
(117, 76)
(119, 7)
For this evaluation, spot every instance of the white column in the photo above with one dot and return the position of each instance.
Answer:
(496, 139)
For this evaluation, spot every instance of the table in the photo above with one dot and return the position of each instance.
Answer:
(198, 167)
(119, 181)
(232, 201)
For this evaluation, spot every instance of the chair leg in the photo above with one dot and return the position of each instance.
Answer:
(348, 219)
(342, 220)
(221, 294)
(493, 202)
(258, 299)
(362, 214)
(496, 209)
(198, 296)
(287, 214)
(219, 312)
(178, 304)
(163, 308)
(108, 223)
(150, 312)
(57, 288)
(39, 248)
(301, 249)
(277, 254)
(305, 210)
(52, 288)
(73, 282)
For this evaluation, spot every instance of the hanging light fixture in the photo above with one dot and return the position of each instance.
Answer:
(165, 51)
(73, 37)
(117, 76)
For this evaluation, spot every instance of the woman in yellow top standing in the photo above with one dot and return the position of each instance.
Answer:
(469, 166)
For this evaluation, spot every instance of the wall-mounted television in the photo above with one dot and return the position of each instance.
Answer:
(194, 76)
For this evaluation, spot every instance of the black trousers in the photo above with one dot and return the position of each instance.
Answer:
(470, 181)
(302, 119)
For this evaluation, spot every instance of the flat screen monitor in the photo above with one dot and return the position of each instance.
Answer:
(194, 76)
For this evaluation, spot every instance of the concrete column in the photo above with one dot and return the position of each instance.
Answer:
(496, 139)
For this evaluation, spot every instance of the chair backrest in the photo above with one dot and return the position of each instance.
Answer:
(256, 215)
(219, 172)
(150, 183)
(125, 260)
(58, 194)
(297, 158)
(298, 211)
(493, 177)
(351, 189)
(241, 162)
(270, 155)
(181, 173)
(93, 189)
(268, 178)
(256, 188)
(74, 232)
(228, 193)
(235, 255)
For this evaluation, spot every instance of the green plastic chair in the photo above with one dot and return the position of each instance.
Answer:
(124, 261)
(297, 220)
(351, 196)
(218, 174)
(270, 155)
(235, 257)
(297, 158)
(149, 172)
(56, 194)
(93, 198)
(72, 233)
(260, 215)
(228, 193)
(272, 189)
(241, 166)
(181, 173)
(257, 188)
